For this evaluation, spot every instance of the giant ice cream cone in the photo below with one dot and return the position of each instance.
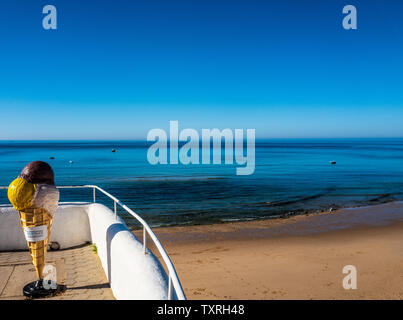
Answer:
(32, 218)
(34, 195)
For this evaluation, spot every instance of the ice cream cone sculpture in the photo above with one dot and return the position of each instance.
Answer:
(30, 219)
(34, 195)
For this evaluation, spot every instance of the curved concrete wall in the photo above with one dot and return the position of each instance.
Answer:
(131, 273)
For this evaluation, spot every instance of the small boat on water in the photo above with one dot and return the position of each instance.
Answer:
(332, 162)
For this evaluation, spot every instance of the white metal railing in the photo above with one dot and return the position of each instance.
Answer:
(173, 280)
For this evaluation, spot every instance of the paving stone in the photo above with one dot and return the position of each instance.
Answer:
(78, 268)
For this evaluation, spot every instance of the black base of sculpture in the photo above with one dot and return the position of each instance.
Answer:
(36, 289)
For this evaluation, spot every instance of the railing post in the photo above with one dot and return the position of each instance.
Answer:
(144, 240)
(169, 287)
(95, 200)
(116, 216)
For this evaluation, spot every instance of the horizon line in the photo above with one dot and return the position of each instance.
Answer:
(145, 140)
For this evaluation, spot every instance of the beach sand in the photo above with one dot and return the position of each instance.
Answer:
(301, 257)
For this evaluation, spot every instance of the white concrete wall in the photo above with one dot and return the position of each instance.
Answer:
(70, 227)
(131, 273)
(11, 235)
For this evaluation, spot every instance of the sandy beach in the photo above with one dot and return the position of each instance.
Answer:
(301, 257)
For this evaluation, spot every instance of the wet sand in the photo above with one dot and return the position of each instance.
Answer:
(296, 258)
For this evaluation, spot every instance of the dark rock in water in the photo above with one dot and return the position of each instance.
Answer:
(332, 162)
(113, 150)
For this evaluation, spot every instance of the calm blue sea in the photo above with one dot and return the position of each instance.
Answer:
(291, 177)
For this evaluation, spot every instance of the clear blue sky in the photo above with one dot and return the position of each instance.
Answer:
(116, 69)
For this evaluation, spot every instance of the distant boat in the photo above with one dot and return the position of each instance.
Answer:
(332, 162)
(51, 158)
(71, 161)
(113, 150)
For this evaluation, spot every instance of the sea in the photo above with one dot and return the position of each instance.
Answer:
(292, 176)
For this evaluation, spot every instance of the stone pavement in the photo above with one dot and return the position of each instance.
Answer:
(78, 268)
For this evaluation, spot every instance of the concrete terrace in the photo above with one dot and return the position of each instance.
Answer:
(132, 270)
(78, 268)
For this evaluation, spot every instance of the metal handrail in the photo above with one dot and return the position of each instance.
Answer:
(173, 280)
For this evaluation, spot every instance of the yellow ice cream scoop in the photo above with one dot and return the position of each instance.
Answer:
(21, 194)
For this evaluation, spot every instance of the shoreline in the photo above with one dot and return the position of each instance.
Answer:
(283, 216)
(297, 225)
(300, 257)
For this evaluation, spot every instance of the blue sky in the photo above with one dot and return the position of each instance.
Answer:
(116, 69)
